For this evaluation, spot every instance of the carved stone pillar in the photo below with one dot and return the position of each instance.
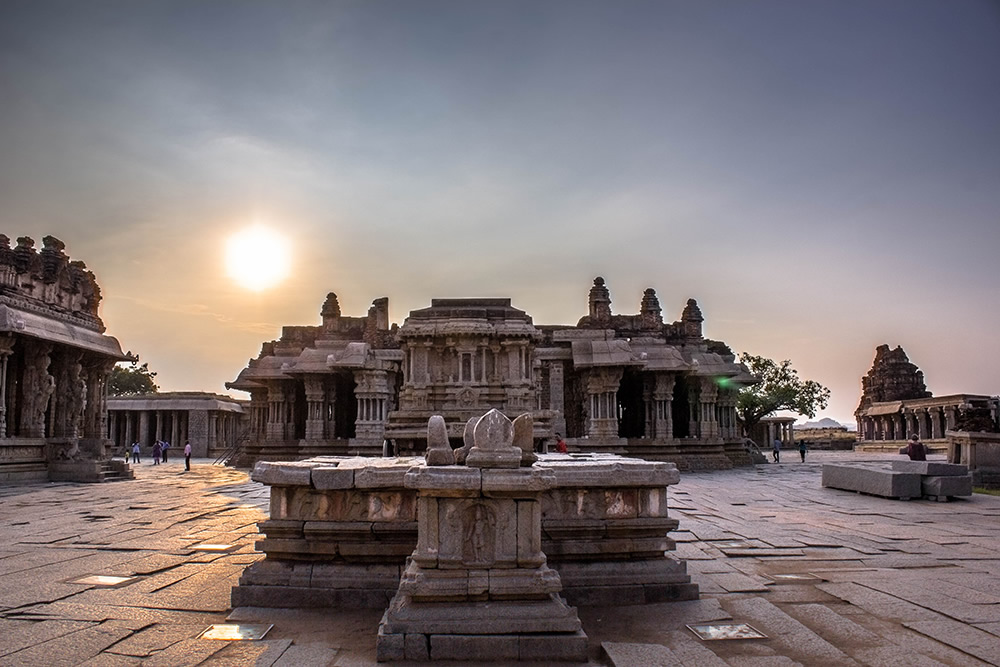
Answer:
(6, 348)
(663, 394)
(935, 418)
(601, 385)
(38, 389)
(694, 407)
(708, 427)
(557, 397)
(315, 421)
(372, 391)
(275, 430)
(143, 427)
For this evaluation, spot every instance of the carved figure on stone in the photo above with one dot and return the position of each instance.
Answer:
(478, 549)
(439, 452)
(38, 388)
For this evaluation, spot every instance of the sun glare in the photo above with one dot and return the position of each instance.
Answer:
(257, 258)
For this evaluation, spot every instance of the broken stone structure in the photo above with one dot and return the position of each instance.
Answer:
(471, 557)
(212, 423)
(896, 404)
(54, 365)
(628, 384)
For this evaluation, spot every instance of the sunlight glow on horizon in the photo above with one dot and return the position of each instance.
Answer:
(257, 258)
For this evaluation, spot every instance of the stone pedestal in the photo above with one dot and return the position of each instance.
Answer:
(477, 585)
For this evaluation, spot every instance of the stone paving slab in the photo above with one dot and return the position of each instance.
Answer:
(868, 606)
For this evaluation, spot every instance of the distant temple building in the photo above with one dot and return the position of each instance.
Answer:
(628, 384)
(54, 365)
(895, 404)
(212, 423)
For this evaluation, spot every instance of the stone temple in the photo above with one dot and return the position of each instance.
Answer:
(624, 384)
(54, 365)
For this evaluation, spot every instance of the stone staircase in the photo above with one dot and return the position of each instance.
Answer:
(115, 471)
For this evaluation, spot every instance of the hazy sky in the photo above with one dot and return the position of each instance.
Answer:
(823, 177)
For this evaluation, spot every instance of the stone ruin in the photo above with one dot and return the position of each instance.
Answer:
(892, 377)
(475, 552)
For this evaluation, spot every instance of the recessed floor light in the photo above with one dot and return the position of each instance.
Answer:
(235, 631)
(212, 547)
(792, 577)
(107, 581)
(726, 631)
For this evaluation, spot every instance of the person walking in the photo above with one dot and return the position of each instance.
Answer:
(156, 453)
(187, 456)
(164, 446)
(135, 452)
(802, 450)
(776, 450)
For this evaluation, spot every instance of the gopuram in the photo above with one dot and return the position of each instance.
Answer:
(54, 365)
(896, 404)
(625, 384)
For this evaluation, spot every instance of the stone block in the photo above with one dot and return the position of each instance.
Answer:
(936, 468)
(390, 647)
(515, 482)
(445, 481)
(553, 648)
(874, 481)
(296, 473)
(950, 485)
(474, 648)
(417, 647)
(325, 477)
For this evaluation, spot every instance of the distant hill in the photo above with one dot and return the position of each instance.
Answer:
(825, 422)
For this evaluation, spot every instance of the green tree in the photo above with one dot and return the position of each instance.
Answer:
(130, 379)
(780, 388)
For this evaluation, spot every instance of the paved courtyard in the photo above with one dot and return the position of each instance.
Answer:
(873, 581)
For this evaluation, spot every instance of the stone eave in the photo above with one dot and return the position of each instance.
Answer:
(50, 329)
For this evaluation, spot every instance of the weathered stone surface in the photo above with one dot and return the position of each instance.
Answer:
(524, 438)
(332, 478)
(297, 473)
(439, 452)
(624, 654)
(936, 468)
(943, 487)
(474, 648)
(873, 481)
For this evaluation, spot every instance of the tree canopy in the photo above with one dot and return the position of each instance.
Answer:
(780, 388)
(131, 379)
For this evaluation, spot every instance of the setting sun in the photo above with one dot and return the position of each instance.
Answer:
(257, 258)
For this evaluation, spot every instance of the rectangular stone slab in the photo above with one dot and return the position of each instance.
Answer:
(936, 468)
(874, 481)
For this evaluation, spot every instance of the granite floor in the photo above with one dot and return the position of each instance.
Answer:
(830, 577)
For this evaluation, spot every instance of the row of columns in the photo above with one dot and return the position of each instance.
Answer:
(148, 426)
(929, 423)
(63, 390)
(479, 362)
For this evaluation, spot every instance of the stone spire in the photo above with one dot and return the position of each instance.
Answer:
(649, 310)
(691, 319)
(600, 302)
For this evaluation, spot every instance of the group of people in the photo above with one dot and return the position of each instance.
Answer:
(776, 450)
(159, 452)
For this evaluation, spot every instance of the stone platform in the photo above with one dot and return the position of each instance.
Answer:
(341, 528)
